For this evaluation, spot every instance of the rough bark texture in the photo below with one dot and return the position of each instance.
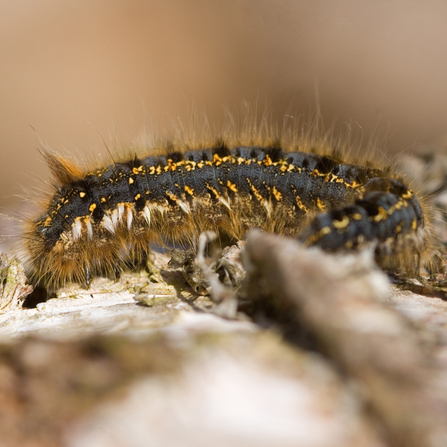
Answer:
(339, 300)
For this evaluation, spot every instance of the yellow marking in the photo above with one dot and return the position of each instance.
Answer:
(232, 186)
(152, 170)
(217, 160)
(267, 161)
(277, 194)
(174, 166)
(399, 229)
(103, 200)
(283, 168)
(339, 224)
(325, 230)
(301, 204)
(331, 178)
(214, 190)
(315, 237)
(414, 224)
(292, 168)
(171, 166)
(189, 190)
(357, 216)
(408, 195)
(382, 214)
(92, 207)
(240, 160)
(200, 165)
(47, 221)
(136, 171)
(172, 196)
(130, 180)
(321, 205)
(158, 170)
(349, 244)
(256, 192)
(82, 195)
(137, 197)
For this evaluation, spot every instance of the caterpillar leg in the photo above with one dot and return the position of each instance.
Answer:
(387, 215)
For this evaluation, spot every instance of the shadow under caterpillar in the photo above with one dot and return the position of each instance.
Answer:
(97, 219)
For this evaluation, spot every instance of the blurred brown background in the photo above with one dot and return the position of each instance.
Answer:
(123, 65)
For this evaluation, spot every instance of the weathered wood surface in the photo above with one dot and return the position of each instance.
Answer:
(99, 367)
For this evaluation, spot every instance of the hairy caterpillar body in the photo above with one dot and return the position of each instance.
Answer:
(96, 219)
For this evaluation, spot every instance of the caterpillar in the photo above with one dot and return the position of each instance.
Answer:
(97, 218)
